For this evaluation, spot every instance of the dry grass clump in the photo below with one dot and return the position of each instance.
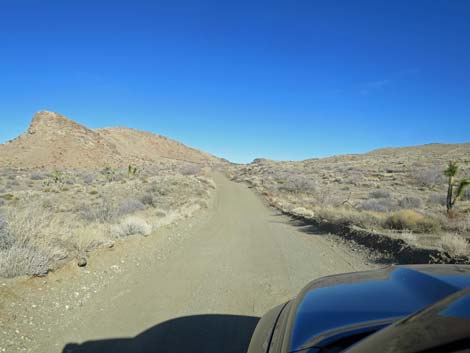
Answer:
(412, 220)
(132, 226)
(82, 211)
(349, 216)
(302, 211)
(455, 245)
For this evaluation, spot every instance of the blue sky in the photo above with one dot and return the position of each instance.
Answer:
(244, 79)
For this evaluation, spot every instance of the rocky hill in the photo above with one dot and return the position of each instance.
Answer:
(54, 141)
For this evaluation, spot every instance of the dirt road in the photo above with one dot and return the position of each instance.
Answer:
(204, 294)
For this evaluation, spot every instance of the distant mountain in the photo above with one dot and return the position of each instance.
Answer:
(54, 141)
(428, 152)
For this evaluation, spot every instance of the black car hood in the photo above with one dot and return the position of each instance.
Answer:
(442, 327)
(363, 302)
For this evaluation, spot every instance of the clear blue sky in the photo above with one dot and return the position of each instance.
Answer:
(243, 79)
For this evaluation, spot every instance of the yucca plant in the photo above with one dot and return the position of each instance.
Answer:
(57, 176)
(131, 171)
(109, 173)
(452, 196)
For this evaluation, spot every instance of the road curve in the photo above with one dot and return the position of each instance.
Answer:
(207, 294)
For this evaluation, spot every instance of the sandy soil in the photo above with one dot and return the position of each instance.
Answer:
(196, 286)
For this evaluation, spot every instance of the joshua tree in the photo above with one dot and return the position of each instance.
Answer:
(450, 173)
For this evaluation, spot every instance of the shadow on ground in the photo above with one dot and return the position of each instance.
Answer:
(195, 334)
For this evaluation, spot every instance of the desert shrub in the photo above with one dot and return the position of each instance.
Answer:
(26, 224)
(147, 199)
(466, 195)
(6, 238)
(89, 178)
(411, 202)
(93, 192)
(412, 220)
(86, 212)
(24, 260)
(132, 226)
(354, 178)
(430, 177)
(208, 182)
(103, 211)
(152, 187)
(203, 204)
(160, 213)
(298, 184)
(190, 169)
(437, 199)
(378, 205)
(11, 184)
(25, 250)
(459, 225)
(379, 194)
(350, 216)
(129, 206)
(408, 237)
(303, 212)
(454, 245)
(89, 237)
(38, 176)
(106, 210)
(69, 181)
(2, 202)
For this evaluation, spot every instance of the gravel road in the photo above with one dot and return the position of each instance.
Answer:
(199, 286)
